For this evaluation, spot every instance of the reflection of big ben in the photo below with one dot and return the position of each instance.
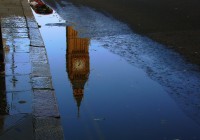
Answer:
(78, 66)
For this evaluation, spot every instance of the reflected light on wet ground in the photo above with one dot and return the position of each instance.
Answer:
(120, 99)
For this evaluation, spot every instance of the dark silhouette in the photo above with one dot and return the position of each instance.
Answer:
(3, 103)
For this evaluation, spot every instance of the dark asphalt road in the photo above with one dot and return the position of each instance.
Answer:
(173, 23)
(151, 15)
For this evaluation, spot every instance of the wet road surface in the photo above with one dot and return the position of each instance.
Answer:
(173, 23)
(112, 83)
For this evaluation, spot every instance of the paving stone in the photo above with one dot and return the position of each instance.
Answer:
(38, 54)
(32, 24)
(11, 33)
(48, 128)
(18, 83)
(10, 121)
(21, 130)
(9, 2)
(16, 44)
(12, 24)
(21, 42)
(19, 102)
(41, 83)
(18, 69)
(24, 2)
(30, 19)
(37, 50)
(22, 49)
(44, 103)
(40, 70)
(17, 58)
(15, 47)
(15, 35)
(35, 37)
(27, 9)
(13, 19)
(14, 30)
(8, 9)
(13, 12)
(28, 14)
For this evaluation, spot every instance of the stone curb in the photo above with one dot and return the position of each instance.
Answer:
(27, 71)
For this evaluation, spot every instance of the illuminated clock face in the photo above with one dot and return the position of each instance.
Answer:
(78, 64)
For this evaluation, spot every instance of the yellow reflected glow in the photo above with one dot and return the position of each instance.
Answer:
(78, 66)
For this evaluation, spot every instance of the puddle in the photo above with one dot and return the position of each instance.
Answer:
(111, 83)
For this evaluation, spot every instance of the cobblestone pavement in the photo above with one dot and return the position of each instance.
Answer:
(31, 111)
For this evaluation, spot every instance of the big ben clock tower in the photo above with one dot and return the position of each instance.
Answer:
(78, 66)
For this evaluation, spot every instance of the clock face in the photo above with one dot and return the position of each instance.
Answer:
(78, 64)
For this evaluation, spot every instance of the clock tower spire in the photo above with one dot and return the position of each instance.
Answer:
(78, 68)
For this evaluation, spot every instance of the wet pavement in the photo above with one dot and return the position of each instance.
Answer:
(136, 88)
(27, 94)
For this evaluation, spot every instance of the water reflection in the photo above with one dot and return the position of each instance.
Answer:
(131, 103)
(78, 65)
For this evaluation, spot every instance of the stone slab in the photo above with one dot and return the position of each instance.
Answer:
(44, 104)
(14, 30)
(30, 19)
(38, 54)
(18, 69)
(36, 38)
(40, 70)
(32, 24)
(19, 102)
(15, 45)
(18, 83)
(48, 128)
(22, 130)
(21, 42)
(15, 35)
(13, 19)
(10, 12)
(17, 58)
(41, 83)
(10, 121)
(12, 24)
